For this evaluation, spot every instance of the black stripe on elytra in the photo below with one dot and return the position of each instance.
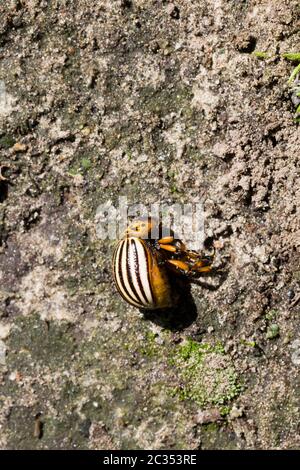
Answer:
(148, 271)
(125, 293)
(137, 272)
(129, 275)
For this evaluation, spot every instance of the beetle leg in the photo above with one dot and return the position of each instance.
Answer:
(199, 260)
(166, 243)
(192, 271)
(199, 264)
(173, 245)
(186, 262)
(202, 269)
(170, 244)
(166, 240)
(171, 248)
(179, 265)
(203, 265)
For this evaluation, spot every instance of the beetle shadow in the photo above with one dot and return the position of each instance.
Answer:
(3, 190)
(185, 312)
(219, 274)
(178, 317)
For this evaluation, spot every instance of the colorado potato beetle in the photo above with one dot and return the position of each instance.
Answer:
(143, 267)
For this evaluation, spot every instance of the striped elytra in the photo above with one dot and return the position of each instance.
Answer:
(139, 278)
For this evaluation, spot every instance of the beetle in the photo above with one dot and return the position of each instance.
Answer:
(143, 268)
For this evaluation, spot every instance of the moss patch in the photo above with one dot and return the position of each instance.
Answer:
(7, 141)
(208, 375)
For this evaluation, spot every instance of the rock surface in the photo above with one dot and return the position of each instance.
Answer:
(153, 101)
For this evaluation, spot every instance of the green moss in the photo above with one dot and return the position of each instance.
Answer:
(194, 351)
(261, 54)
(294, 74)
(293, 56)
(250, 344)
(208, 375)
(224, 411)
(174, 189)
(273, 331)
(129, 154)
(271, 314)
(86, 163)
(73, 171)
(211, 427)
(150, 347)
(80, 166)
(7, 141)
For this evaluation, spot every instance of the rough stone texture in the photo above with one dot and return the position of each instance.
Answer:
(152, 100)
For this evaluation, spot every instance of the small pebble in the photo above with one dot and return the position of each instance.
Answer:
(173, 11)
(3, 350)
(208, 416)
(18, 147)
(235, 412)
(291, 294)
